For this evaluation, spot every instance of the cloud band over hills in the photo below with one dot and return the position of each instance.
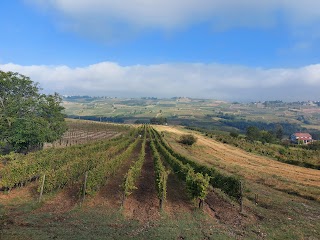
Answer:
(217, 81)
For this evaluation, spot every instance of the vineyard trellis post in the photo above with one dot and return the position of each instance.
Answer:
(241, 196)
(84, 186)
(123, 198)
(256, 197)
(164, 189)
(42, 186)
(201, 203)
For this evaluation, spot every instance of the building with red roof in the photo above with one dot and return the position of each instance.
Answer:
(304, 138)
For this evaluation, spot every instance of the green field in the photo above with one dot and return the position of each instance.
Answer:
(194, 112)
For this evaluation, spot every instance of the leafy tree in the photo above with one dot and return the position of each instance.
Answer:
(28, 118)
(234, 134)
(253, 133)
(187, 139)
(267, 136)
(159, 120)
(279, 131)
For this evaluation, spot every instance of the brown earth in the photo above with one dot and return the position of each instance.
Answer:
(28, 192)
(63, 201)
(178, 200)
(226, 212)
(143, 203)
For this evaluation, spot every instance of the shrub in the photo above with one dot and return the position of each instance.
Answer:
(187, 139)
(234, 134)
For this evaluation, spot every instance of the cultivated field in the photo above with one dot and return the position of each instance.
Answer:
(140, 183)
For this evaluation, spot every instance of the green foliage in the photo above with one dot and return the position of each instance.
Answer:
(75, 168)
(97, 176)
(160, 172)
(234, 134)
(253, 133)
(301, 155)
(135, 170)
(23, 168)
(197, 184)
(159, 120)
(187, 139)
(28, 118)
(228, 184)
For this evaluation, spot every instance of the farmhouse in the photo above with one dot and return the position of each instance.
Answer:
(304, 138)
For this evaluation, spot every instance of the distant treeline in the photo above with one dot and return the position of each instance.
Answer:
(242, 125)
(288, 128)
(100, 119)
(158, 120)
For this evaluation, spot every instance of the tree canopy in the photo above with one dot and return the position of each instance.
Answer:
(28, 118)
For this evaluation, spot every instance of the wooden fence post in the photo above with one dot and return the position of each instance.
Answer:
(256, 199)
(161, 200)
(84, 186)
(42, 186)
(201, 203)
(241, 196)
(123, 199)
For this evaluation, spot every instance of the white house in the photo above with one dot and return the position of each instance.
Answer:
(305, 138)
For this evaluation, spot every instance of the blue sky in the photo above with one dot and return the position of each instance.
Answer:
(232, 50)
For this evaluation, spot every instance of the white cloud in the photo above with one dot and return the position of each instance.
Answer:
(101, 15)
(217, 81)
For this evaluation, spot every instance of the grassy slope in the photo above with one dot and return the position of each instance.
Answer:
(282, 215)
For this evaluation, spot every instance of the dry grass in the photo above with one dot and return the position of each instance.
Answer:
(281, 176)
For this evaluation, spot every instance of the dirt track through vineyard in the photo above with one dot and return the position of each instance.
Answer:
(257, 165)
(143, 203)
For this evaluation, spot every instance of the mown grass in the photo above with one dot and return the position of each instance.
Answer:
(285, 210)
(101, 223)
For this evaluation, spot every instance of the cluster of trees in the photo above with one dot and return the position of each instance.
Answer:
(159, 120)
(243, 125)
(28, 118)
(255, 134)
(98, 118)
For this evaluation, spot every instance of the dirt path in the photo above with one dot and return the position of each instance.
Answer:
(177, 198)
(63, 201)
(143, 203)
(252, 166)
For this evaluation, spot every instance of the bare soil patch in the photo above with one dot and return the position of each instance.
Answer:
(178, 200)
(28, 192)
(226, 212)
(143, 203)
(63, 201)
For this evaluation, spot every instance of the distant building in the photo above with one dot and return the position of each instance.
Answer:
(304, 138)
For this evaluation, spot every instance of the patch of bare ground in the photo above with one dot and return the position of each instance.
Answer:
(63, 201)
(227, 213)
(111, 195)
(143, 203)
(178, 200)
(28, 192)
